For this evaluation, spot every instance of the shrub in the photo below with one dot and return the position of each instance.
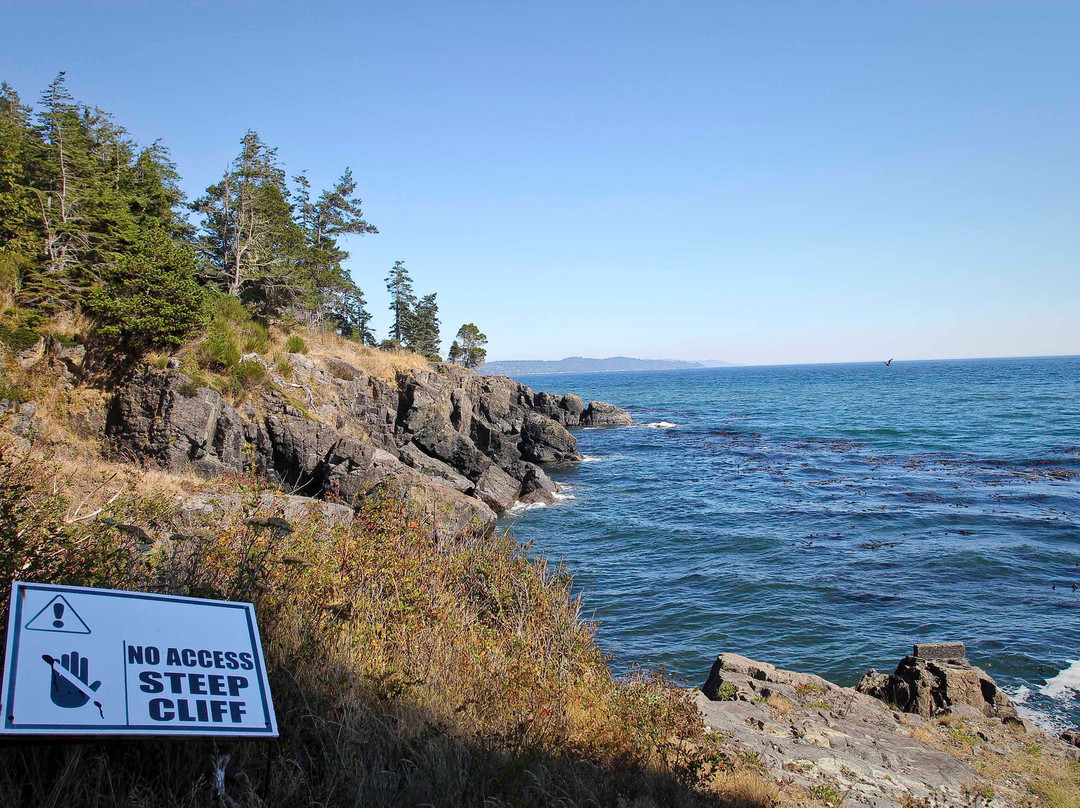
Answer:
(150, 296)
(727, 692)
(255, 336)
(20, 338)
(296, 344)
(220, 349)
(250, 373)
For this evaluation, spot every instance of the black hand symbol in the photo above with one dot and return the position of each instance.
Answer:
(70, 685)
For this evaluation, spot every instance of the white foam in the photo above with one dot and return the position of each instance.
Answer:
(562, 497)
(1066, 685)
(521, 507)
(605, 459)
(660, 425)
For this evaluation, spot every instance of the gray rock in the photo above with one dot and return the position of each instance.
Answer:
(940, 650)
(497, 489)
(936, 682)
(546, 441)
(601, 413)
(415, 458)
(809, 731)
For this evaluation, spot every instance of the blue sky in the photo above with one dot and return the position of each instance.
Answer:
(761, 182)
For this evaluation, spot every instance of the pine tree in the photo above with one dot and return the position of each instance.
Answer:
(21, 147)
(336, 213)
(402, 301)
(249, 240)
(424, 332)
(150, 296)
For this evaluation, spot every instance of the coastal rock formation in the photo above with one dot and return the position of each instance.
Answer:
(937, 679)
(845, 746)
(600, 413)
(460, 444)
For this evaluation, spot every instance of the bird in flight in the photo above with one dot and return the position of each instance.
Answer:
(888, 364)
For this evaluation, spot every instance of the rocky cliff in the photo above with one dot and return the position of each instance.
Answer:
(465, 446)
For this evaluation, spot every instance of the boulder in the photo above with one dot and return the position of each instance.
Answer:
(573, 407)
(600, 413)
(937, 679)
(497, 489)
(546, 441)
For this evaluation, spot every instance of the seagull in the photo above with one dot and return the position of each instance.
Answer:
(888, 364)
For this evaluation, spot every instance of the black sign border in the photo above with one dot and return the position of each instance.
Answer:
(15, 624)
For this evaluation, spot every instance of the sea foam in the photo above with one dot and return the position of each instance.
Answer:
(1066, 685)
(660, 425)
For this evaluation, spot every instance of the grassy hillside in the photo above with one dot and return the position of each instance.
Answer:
(406, 670)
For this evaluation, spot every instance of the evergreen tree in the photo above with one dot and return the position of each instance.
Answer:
(249, 240)
(424, 332)
(336, 213)
(402, 301)
(468, 348)
(150, 296)
(21, 148)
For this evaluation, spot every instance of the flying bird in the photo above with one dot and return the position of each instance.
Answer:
(888, 364)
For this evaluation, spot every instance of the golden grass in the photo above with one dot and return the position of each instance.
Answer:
(782, 705)
(375, 362)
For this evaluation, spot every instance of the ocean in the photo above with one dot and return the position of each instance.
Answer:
(825, 517)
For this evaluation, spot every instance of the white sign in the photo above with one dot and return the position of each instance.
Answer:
(103, 662)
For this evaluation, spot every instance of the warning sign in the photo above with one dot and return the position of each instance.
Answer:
(104, 662)
(58, 616)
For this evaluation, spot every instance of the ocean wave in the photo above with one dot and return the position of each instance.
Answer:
(605, 458)
(521, 507)
(660, 425)
(1066, 685)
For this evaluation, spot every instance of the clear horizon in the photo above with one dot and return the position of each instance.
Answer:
(896, 360)
(759, 184)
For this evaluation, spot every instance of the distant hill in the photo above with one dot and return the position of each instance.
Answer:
(579, 364)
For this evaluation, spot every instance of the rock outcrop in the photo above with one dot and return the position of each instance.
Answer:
(600, 413)
(843, 746)
(460, 444)
(937, 679)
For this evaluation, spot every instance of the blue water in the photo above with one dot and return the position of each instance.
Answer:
(825, 517)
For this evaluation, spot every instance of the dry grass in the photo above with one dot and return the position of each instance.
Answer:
(375, 362)
(408, 668)
(780, 704)
(1018, 767)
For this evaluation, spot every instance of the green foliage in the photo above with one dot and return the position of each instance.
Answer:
(402, 300)
(468, 349)
(255, 337)
(20, 338)
(295, 344)
(220, 349)
(250, 374)
(828, 793)
(727, 692)
(150, 297)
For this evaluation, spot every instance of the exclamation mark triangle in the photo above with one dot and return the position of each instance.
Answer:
(58, 616)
